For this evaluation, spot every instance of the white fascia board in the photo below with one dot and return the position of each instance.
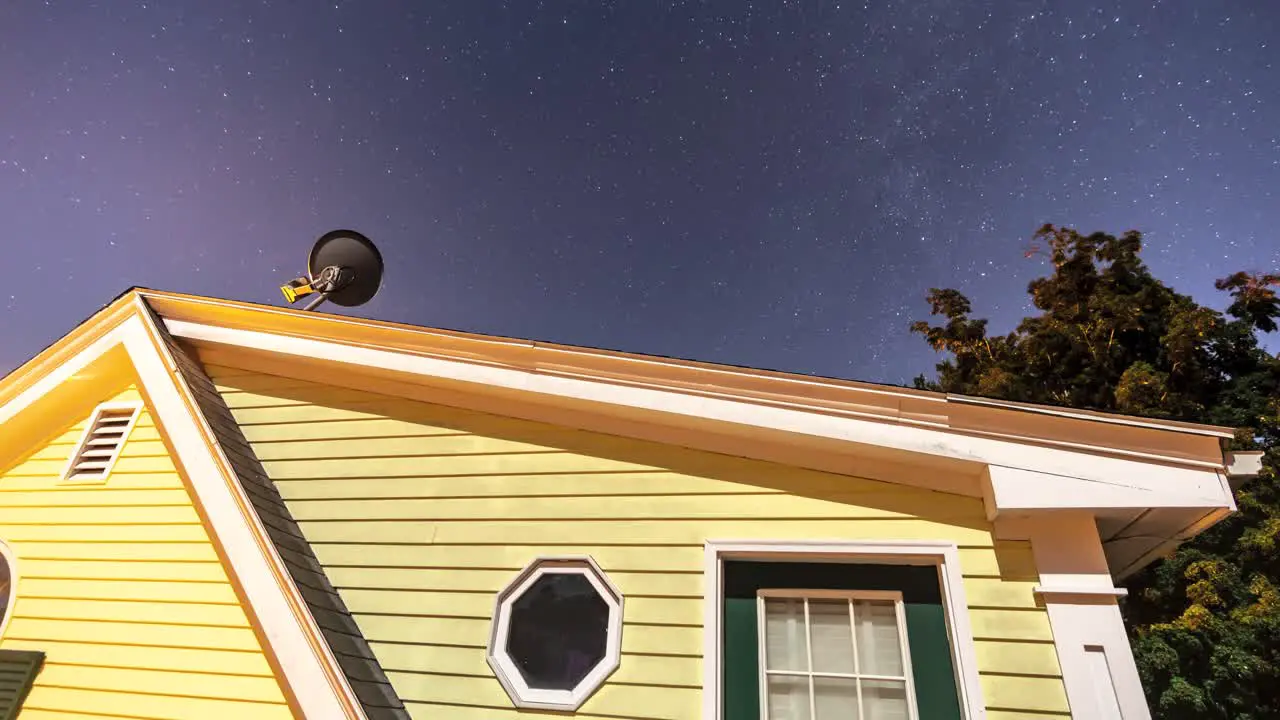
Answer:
(1017, 490)
(1068, 464)
(64, 372)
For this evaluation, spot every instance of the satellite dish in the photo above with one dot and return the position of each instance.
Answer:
(344, 268)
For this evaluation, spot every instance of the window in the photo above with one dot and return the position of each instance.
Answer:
(557, 633)
(825, 640)
(100, 444)
(829, 655)
(8, 585)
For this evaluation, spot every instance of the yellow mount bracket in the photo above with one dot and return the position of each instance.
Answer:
(301, 287)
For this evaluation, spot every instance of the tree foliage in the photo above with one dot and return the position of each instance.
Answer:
(1205, 622)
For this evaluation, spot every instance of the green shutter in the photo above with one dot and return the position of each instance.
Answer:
(927, 639)
(18, 669)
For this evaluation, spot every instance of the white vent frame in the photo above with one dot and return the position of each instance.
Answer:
(67, 476)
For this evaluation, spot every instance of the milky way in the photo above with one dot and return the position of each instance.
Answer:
(759, 183)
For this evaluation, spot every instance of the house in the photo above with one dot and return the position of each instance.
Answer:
(216, 509)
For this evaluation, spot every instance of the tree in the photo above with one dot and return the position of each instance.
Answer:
(1205, 622)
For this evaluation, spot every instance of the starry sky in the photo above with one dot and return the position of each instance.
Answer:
(772, 184)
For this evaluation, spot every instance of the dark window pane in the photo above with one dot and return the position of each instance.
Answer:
(558, 632)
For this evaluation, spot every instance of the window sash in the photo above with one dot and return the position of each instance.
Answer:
(850, 597)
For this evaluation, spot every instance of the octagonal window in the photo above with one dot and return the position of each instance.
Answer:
(557, 631)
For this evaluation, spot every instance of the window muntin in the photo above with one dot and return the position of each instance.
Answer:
(828, 655)
(557, 633)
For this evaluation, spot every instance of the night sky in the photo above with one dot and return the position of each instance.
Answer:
(772, 184)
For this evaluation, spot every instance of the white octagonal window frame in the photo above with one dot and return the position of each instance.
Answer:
(504, 667)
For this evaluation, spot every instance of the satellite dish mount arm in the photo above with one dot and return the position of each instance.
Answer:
(331, 279)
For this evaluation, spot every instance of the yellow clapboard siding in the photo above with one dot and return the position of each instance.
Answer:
(116, 481)
(144, 430)
(996, 593)
(99, 515)
(122, 589)
(369, 427)
(189, 532)
(446, 493)
(979, 562)
(474, 631)
(610, 699)
(131, 680)
(438, 444)
(193, 660)
(182, 552)
(652, 531)
(1031, 625)
(631, 507)
(98, 496)
(540, 462)
(133, 633)
(508, 557)
(298, 395)
(197, 592)
(1006, 559)
(686, 611)
(1018, 658)
(451, 660)
(685, 584)
(454, 711)
(124, 570)
(1039, 694)
(150, 707)
(29, 468)
(306, 414)
(131, 611)
(133, 448)
(642, 483)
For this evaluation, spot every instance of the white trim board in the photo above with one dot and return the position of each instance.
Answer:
(944, 555)
(294, 637)
(1159, 484)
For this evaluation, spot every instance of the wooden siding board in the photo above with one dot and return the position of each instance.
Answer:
(122, 589)
(350, 649)
(419, 514)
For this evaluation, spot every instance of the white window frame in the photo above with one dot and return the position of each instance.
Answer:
(135, 408)
(505, 669)
(850, 596)
(941, 554)
(10, 558)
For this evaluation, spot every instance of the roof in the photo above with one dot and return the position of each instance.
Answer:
(1149, 483)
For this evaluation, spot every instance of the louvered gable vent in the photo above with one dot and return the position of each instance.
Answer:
(104, 436)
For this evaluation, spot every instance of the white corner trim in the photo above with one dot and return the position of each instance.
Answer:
(944, 555)
(1167, 483)
(1079, 590)
(303, 664)
(10, 558)
(505, 669)
(135, 408)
